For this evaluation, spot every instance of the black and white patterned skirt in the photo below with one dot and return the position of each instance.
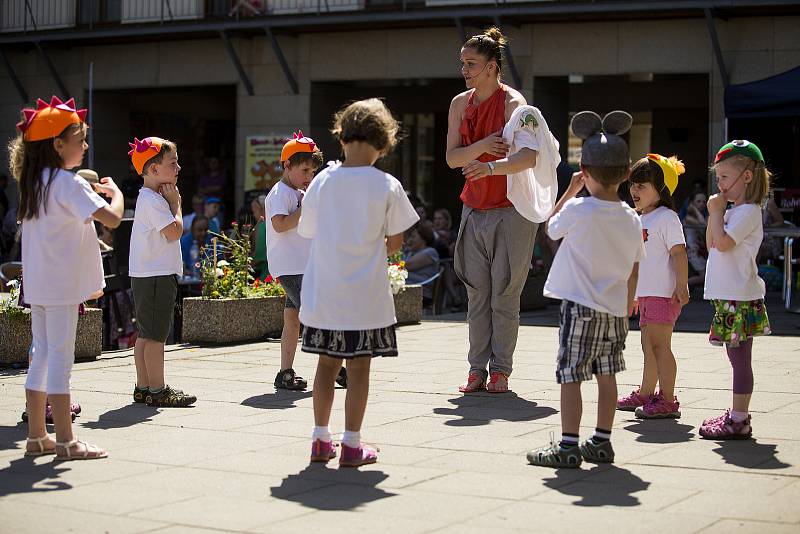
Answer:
(350, 343)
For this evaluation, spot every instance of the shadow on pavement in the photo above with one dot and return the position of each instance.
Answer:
(23, 474)
(620, 492)
(750, 454)
(660, 431)
(123, 417)
(347, 489)
(506, 406)
(280, 400)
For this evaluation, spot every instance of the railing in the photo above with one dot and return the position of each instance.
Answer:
(293, 7)
(161, 10)
(32, 15)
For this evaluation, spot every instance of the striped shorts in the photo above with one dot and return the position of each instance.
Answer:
(590, 343)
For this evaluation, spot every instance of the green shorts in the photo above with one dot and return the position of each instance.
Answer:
(154, 304)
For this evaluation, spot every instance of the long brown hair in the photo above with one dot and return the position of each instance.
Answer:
(27, 160)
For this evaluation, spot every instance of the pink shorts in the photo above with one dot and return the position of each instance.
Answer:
(660, 310)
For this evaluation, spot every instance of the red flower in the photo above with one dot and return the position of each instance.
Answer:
(268, 279)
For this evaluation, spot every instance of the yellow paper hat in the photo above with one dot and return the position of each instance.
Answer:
(671, 168)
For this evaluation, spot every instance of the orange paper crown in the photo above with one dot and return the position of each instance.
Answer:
(298, 144)
(49, 120)
(144, 150)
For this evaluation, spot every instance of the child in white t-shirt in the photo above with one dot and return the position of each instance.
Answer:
(155, 264)
(662, 289)
(356, 216)
(60, 261)
(287, 251)
(732, 283)
(594, 273)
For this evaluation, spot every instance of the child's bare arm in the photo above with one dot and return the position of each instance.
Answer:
(575, 186)
(174, 231)
(633, 279)
(284, 223)
(394, 243)
(110, 215)
(680, 261)
(716, 237)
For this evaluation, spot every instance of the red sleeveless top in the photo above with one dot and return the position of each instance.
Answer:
(480, 121)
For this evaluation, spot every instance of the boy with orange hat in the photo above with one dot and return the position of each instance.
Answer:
(288, 251)
(154, 266)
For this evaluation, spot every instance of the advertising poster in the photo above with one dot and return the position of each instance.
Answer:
(263, 161)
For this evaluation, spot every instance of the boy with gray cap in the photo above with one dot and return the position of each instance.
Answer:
(594, 274)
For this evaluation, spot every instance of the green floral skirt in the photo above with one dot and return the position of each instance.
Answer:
(737, 321)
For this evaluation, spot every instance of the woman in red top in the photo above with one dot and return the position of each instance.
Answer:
(495, 243)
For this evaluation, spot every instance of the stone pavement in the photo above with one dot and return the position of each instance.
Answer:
(238, 461)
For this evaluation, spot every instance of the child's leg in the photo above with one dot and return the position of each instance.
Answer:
(36, 382)
(572, 408)
(327, 370)
(357, 393)
(741, 361)
(142, 380)
(661, 343)
(154, 363)
(650, 371)
(291, 331)
(606, 401)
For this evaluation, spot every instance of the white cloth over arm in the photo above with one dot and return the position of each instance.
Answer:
(533, 191)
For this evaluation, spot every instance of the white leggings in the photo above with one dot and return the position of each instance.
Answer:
(53, 350)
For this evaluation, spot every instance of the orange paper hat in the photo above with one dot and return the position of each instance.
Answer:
(49, 120)
(142, 151)
(298, 144)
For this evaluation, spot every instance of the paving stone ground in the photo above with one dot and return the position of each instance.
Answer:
(238, 461)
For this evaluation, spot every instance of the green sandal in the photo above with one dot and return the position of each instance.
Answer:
(556, 456)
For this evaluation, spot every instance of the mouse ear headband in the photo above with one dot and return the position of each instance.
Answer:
(603, 145)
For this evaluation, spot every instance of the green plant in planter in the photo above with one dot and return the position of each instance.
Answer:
(232, 278)
(10, 307)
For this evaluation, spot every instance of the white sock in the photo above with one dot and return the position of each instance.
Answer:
(738, 417)
(322, 433)
(351, 439)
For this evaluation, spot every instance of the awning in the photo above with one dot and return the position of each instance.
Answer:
(776, 96)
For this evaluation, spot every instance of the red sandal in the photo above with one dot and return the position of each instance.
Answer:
(476, 381)
(498, 382)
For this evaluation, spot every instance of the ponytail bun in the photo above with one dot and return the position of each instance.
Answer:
(495, 33)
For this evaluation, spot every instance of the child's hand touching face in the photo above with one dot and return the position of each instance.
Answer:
(716, 203)
(170, 193)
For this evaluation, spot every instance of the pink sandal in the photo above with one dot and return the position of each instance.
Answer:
(322, 451)
(727, 428)
(357, 456)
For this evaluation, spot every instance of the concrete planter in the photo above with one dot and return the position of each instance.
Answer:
(15, 337)
(532, 298)
(213, 321)
(408, 305)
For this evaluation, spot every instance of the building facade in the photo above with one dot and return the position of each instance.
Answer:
(226, 79)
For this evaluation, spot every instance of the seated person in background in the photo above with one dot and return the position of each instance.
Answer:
(694, 227)
(422, 260)
(212, 208)
(193, 243)
(445, 236)
(198, 207)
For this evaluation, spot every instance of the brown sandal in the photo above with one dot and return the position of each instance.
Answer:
(498, 382)
(90, 452)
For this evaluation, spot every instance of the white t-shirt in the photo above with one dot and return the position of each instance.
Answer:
(152, 254)
(287, 252)
(662, 230)
(602, 241)
(348, 212)
(61, 262)
(733, 275)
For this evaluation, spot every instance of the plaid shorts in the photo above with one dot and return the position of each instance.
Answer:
(590, 343)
